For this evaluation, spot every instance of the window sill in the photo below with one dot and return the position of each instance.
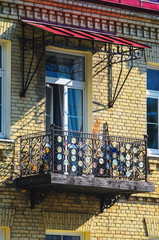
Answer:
(7, 140)
(153, 153)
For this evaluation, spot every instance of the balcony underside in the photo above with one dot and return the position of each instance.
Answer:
(82, 184)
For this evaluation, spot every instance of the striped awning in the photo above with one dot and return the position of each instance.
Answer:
(83, 33)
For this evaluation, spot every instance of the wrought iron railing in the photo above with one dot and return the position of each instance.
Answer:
(81, 154)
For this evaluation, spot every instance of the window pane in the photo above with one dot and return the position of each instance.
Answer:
(152, 131)
(75, 109)
(0, 56)
(53, 237)
(71, 237)
(153, 79)
(152, 110)
(65, 66)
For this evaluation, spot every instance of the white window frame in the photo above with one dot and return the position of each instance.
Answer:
(3, 77)
(155, 95)
(68, 83)
(2, 234)
(52, 232)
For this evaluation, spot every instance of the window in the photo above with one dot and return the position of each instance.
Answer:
(5, 88)
(65, 91)
(153, 109)
(54, 235)
(2, 77)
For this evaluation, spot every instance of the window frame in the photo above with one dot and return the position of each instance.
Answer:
(6, 233)
(153, 94)
(68, 83)
(3, 77)
(66, 233)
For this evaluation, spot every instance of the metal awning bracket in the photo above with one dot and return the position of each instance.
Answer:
(26, 82)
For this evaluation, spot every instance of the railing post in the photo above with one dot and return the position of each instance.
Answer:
(146, 163)
(52, 147)
(20, 156)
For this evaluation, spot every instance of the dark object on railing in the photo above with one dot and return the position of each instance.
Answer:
(81, 154)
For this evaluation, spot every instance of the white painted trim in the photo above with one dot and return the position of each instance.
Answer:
(8, 140)
(65, 233)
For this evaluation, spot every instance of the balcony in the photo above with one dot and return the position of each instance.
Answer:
(81, 162)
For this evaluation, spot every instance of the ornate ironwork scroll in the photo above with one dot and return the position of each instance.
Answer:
(82, 154)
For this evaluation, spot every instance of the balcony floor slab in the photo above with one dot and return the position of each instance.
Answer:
(82, 184)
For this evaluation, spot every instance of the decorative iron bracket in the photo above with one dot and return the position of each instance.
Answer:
(37, 197)
(108, 61)
(107, 201)
(26, 82)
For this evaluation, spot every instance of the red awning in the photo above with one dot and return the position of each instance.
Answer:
(83, 33)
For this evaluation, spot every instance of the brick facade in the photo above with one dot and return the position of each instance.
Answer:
(127, 219)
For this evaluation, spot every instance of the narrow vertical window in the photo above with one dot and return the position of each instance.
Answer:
(153, 108)
(2, 92)
(0, 104)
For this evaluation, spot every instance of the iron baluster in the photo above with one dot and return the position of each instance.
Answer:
(53, 148)
(146, 165)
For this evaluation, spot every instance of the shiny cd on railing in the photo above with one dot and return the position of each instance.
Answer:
(59, 139)
(121, 167)
(73, 140)
(128, 173)
(59, 149)
(73, 151)
(66, 162)
(128, 163)
(115, 162)
(108, 166)
(101, 171)
(47, 150)
(108, 156)
(101, 154)
(66, 142)
(128, 146)
(107, 147)
(73, 168)
(135, 150)
(141, 165)
(66, 152)
(101, 160)
(80, 144)
(87, 159)
(94, 164)
(59, 156)
(80, 154)
(114, 155)
(59, 167)
(35, 168)
(128, 157)
(135, 159)
(122, 158)
(73, 158)
(80, 163)
(122, 149)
